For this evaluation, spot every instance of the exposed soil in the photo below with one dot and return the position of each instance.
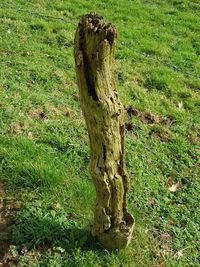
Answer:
(38, 114)
(148, 117)
(163, 135)
(145, 117)
(129, 126)
(164, 241)
(8, 209)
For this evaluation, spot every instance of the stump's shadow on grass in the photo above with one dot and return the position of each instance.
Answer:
(40, 170)
(40, 233)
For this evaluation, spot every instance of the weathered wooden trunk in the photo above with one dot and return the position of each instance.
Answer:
(103, 112)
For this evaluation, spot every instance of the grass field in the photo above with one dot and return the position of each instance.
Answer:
(44, 144)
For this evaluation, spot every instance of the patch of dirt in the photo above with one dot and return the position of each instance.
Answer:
(38, 114)
(193, 134)
(17, 128)
(8, 210)
(148, 117)
(52, 110)
(167, 121)
(132, 111)
(48, 111)
(129, 126)
(163, 135)
(164, 240)
(145, 117)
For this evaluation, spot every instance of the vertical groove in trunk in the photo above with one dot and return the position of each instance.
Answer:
(103, 112)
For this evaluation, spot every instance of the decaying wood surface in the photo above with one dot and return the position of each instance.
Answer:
(103, 112)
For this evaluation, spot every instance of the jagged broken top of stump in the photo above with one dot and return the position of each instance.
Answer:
(95, 23)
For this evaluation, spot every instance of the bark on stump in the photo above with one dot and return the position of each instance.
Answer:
(103, 112)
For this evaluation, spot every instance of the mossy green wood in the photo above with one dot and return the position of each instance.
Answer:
(103, 112)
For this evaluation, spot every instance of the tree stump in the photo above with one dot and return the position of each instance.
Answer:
(103, 112)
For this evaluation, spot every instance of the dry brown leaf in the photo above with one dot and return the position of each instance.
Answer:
(56, 206)
(179, 253)
(169, 182)
(175, 187)
(30, 135)
(180, 105)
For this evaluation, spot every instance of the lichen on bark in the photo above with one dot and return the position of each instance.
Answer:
(103, 112)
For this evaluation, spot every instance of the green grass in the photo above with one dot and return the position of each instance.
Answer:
(44, 145)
